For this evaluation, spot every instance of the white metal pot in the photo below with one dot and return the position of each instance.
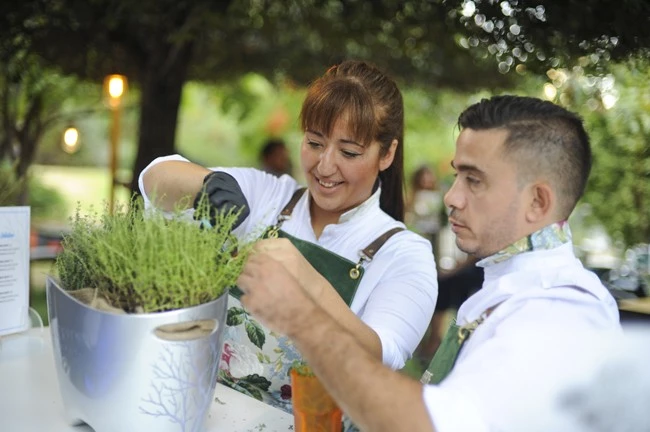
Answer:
(116, 372)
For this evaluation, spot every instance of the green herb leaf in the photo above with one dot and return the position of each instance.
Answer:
(302, 368)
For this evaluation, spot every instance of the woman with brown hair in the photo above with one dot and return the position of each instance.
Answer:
(342, 236)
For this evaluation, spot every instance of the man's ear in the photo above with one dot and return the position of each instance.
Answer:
(542, 203)
(386, 160)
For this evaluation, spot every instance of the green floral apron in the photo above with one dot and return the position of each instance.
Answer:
(445, 357)
(269, 380)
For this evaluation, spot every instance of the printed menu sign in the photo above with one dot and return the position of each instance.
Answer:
(14, 269)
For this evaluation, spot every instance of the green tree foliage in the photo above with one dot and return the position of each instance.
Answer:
(298, 39)
(44, 201)
(616, 109)
(10, 185)
(32, 100)
(619, 192)
(547, 33)
(160, 44)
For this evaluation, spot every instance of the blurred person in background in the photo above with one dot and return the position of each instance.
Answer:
(274, 157)
(424, 207)
(424, 213)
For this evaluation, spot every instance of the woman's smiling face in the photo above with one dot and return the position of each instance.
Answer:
(340, 171)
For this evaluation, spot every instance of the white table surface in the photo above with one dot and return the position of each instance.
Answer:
(30, 399)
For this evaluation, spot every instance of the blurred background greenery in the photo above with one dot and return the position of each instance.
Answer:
(226, 125)
(213, 80)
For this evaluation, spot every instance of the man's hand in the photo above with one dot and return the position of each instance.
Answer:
(362, 386)
(273, 295)
(283, 251)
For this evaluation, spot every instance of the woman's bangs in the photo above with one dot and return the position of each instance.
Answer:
(325, 104)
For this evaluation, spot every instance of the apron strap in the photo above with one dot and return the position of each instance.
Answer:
(373, 247)
(285, 214)
(368, 253)
(445, 357)
(288, 209)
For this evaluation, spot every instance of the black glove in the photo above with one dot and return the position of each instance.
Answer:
(224, 195)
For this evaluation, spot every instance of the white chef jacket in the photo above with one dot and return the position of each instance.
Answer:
(547, 305)
(398, 291)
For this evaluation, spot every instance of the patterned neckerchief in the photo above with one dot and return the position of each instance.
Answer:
(549, 237)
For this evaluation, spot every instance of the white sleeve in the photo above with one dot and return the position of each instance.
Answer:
(451, 411)
(400, 306)
(515, 374)
(147, 201)
(264, 193)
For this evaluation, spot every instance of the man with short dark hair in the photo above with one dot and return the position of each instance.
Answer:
(521, 165)
(274, 157)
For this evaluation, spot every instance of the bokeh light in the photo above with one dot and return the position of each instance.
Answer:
(550, 91)
(70, 140)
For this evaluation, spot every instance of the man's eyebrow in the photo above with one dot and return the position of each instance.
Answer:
(467, 167)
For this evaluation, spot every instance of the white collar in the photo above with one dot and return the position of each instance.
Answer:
(529, 270)
(365, 207)
(531, 261)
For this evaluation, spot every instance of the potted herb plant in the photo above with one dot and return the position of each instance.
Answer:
(137, 317)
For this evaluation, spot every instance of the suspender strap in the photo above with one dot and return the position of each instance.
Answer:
(272, 232)
(288, 209)
(373, 247)
(366, 254)
(369, 252)
(445, 357)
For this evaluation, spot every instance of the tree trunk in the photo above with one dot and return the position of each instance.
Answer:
(162, 85)
(6, 140)
(29, 136)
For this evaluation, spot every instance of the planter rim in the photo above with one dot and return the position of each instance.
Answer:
(165, 314)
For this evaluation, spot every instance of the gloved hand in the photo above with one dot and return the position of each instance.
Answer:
(224, 195)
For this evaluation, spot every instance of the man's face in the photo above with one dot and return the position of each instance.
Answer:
(486, 204)
(279, 161)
